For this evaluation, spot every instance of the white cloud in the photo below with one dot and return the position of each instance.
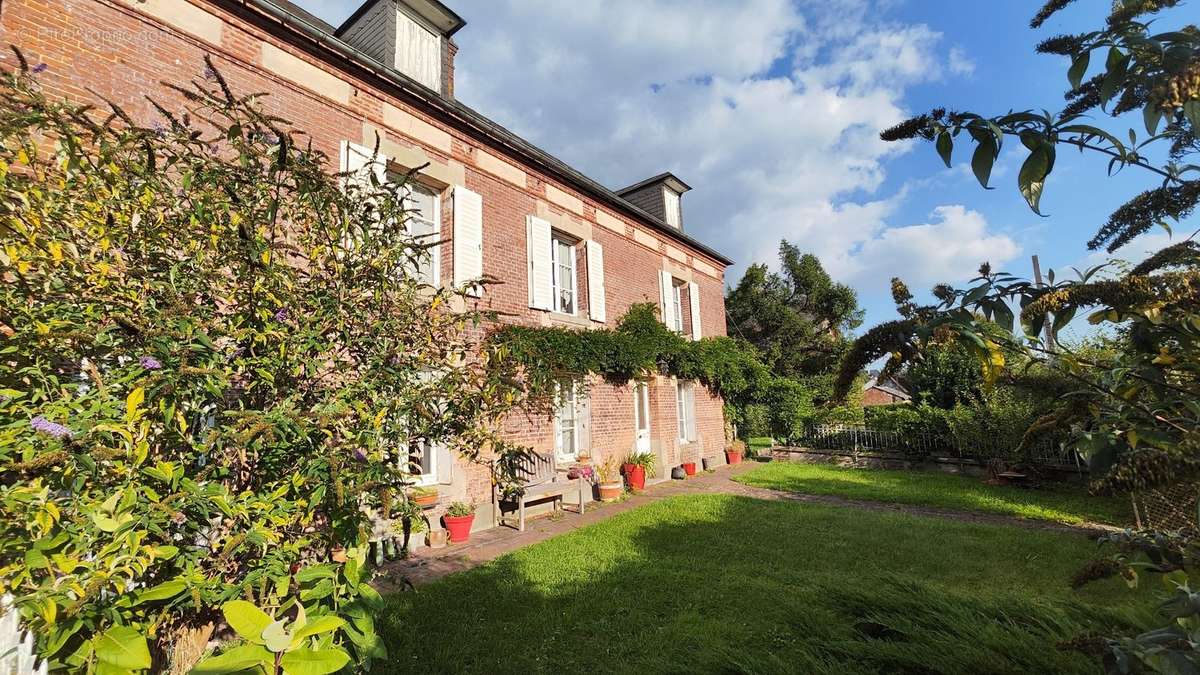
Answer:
(949, 248)
(770, 109)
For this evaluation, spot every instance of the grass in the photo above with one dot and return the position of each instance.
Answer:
(1065, 504)
(727, 584)
(760, 443)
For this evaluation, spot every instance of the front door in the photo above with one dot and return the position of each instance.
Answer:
(641, 416)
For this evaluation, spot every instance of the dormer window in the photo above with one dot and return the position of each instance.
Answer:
(660, 197)
(418, 51)
(412, 36)
(671, 203)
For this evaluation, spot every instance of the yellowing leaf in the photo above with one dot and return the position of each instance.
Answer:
(56, 251)
(133, 402)
(266, 256)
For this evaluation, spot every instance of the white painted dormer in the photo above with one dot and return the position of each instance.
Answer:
(412, 36)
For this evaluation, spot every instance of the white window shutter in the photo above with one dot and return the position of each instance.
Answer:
(355, 158)
(694, 301)
(468, 236)
(443, 464)
(595, 271)
(666, 283)
(690, 393)
(538, 254)
(583, 427)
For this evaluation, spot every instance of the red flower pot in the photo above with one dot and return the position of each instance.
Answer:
(459, 527)
(689, 468)
(636, 475)
(733, 456)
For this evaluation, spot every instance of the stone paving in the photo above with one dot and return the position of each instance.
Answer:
(431, 564)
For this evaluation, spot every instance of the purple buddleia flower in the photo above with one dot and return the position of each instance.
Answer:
(150, 363)
(49, 428)
(281, 315)
(360, 456)
(160, 130)
(209, 73)
(39, 68)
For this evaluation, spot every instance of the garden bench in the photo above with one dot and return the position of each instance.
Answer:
(540, 479)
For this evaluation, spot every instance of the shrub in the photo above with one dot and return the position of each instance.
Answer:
(213, 360)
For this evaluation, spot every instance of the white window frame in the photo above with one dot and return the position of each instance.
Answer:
(428, 450)
(677, 302)
(684, 410)
(556, 291)
(672, 207)
(435, 252)
(564, 453)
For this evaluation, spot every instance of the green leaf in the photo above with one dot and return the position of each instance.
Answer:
(1078, 69)
(981, 163)
(246, 620)
(163, 591)
(124, 647)
(235, 660)
(1004, 315)
(1191, 110)
(945, 147)
(1032, 177)
(1118, 65)
(1151, 115)
(314, 661)
(321, 624)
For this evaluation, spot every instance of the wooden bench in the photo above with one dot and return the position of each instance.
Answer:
(541, 480)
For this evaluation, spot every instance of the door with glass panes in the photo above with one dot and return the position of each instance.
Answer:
(641, 416)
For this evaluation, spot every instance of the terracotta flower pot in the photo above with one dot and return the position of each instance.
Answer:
(611, 492)
(733, 456)
(636, 475)
(689, 468)
(425, 500)
(459, 527)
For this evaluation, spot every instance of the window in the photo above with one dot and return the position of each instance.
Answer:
(420, 460)
(418, 52)
(677, 304)
(566, 421)
(424, 224)
(685, 402)
(562, 274)
(671, 206)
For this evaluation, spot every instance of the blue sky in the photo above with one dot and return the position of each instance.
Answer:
(771, 109)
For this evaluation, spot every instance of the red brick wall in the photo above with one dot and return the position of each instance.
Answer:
(123, 54)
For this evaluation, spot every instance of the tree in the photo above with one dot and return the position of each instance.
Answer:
(215, 362)
(1133, 415)
(797, 318)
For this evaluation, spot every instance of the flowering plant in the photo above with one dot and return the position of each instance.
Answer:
(212, 356)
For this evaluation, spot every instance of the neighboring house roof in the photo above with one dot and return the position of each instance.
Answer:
(889, 387)
(323, 34)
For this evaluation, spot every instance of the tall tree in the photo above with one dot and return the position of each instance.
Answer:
(798, 317)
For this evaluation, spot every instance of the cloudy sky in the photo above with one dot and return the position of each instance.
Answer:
(771, 110)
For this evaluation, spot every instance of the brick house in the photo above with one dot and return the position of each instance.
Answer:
(569, 251)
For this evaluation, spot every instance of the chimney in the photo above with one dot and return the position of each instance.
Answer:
(659, 196)
(411, 36)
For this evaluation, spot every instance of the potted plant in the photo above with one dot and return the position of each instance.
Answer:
(638, 467)
(458, 519)
(735, 452)
(408, 526)
(423, 496)
(689, 468)
(611, 486)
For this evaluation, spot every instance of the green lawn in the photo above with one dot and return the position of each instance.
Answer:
(725, 584)
(1065, 504)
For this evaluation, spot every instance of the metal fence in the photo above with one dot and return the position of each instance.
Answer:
(856, 439)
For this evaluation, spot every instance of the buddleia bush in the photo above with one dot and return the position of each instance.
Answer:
(214, 358)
